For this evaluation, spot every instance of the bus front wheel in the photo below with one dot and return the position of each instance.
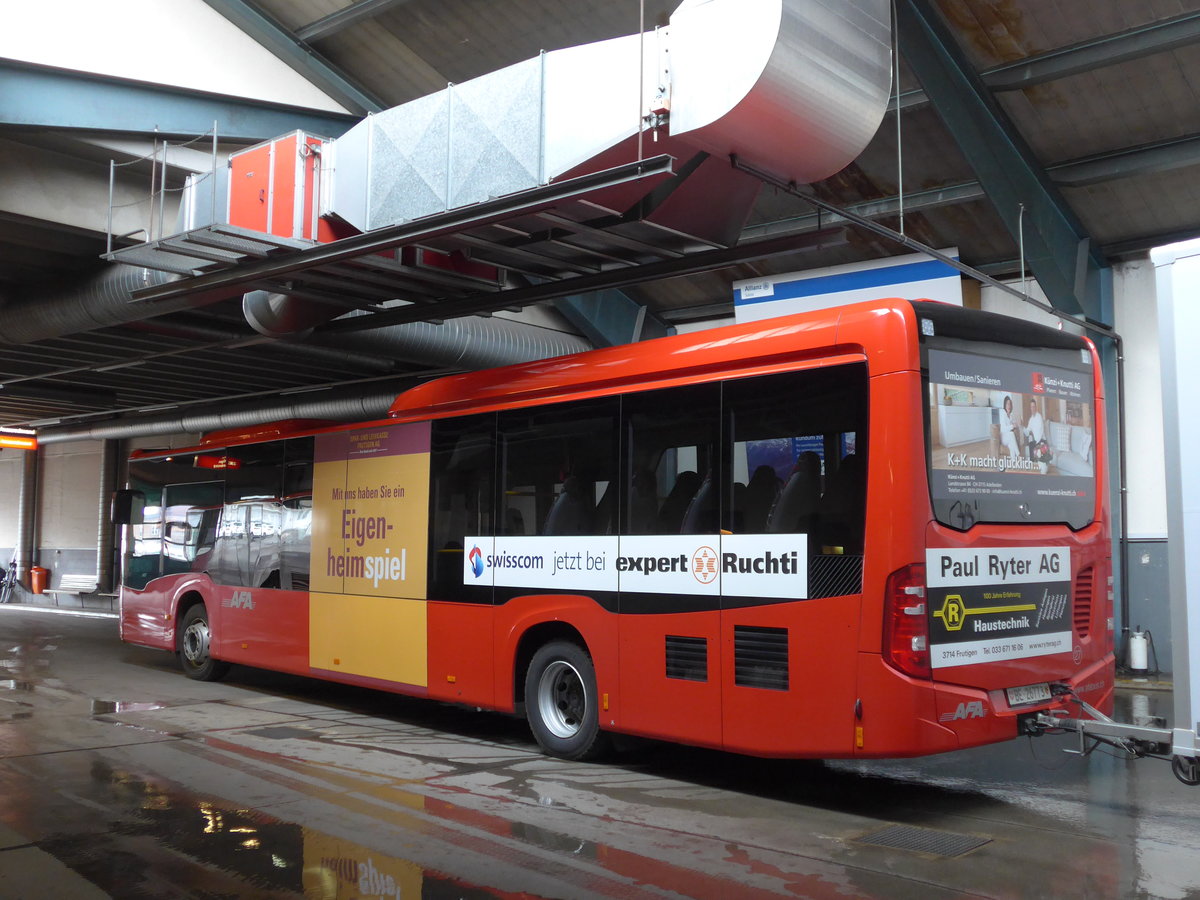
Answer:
(195, 647)
(561, 702)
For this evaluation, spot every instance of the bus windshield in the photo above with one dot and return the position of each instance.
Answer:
(1011, 432)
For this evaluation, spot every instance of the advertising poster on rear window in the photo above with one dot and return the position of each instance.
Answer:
(1007, 430)
(993, 604)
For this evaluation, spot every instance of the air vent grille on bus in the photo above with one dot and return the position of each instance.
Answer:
(1084, 591)
(687, 658)
(760, 657)
(834, 575)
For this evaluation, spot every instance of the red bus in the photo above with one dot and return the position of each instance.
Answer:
(877, 530)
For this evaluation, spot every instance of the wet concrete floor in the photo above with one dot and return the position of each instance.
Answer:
(119, 777)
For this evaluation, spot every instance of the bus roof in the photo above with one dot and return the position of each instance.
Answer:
(841, 334)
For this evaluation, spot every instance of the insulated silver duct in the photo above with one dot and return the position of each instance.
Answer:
(474, 342)
(278, 315)
(98, 302)
(104, 301)
(341, 405)
(336, 354)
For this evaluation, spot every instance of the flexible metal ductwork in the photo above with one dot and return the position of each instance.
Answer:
(336, 354)
(98, 302)
(473, 342)
(469, 343)
(345, 405)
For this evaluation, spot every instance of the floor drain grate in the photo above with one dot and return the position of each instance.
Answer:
(924, 840)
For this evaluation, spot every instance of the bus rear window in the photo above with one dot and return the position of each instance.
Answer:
(1011, 435)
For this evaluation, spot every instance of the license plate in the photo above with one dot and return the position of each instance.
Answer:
(1030, 693)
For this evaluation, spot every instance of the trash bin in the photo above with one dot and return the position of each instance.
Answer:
(39, 579)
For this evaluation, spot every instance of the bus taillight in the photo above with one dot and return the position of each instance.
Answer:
(905, 623)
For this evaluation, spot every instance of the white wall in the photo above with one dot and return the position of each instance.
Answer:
(11, 465)
(1137, 322)
(183, 43)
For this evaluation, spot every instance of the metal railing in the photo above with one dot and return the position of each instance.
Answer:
(155, 228)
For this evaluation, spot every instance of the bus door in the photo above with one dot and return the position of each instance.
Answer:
(670, 646)
(190, 515)
(792, 558)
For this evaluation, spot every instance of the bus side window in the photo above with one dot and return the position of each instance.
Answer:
(797, 440)
(295, 537)
(557, 466)
(462, 502)
(672, 464)
(247, 552)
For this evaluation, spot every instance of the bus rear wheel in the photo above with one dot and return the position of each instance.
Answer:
(561, 702)
(194, 647)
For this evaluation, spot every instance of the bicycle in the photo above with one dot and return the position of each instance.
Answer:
(8, 585)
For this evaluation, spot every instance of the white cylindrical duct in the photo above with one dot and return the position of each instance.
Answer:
(795, 88)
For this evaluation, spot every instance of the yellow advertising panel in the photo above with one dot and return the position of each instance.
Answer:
(372, 637)
(370, 538)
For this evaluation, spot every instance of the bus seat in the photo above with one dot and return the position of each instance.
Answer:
(571, 512)
(842, 508)
(643, 503)
(605, 512)
(701, 514)
(761, 494)
(514, 522)
(795, 511)
(670, 517)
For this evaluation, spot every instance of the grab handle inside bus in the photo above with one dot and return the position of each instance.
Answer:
(127, 507)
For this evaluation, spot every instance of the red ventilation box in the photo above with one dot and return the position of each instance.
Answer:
(275, 187)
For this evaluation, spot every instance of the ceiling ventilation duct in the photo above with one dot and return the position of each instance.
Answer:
(471, 342)
(795, 88)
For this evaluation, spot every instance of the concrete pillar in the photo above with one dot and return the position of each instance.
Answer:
(26, 546)
(106, 533)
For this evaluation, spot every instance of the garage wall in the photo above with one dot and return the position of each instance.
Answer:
(11, 464)
(184, 43)
(68, 510)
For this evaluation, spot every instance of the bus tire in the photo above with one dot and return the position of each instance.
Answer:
(561, 702)
(194, 647)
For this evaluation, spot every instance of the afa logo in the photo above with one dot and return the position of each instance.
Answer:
(973, 710)
(476, 560)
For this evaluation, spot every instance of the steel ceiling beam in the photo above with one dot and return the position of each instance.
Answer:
(1130, 162)
(343, 18)
(1086, 56)
(33, 96)
(1059, 251)
(1108, 50)
(298, 55)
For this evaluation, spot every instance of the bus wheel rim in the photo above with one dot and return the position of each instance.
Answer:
(195, 642)
(562, 699)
